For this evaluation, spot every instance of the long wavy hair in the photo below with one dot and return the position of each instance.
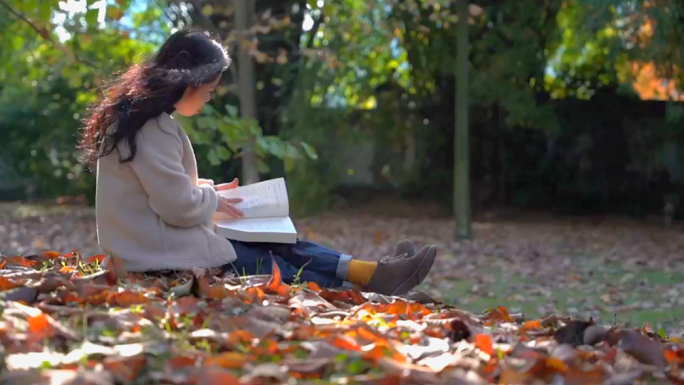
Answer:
(188, 58)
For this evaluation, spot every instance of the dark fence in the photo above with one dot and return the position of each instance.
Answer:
(612, 154)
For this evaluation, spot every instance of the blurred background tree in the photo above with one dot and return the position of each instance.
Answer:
(575, 104)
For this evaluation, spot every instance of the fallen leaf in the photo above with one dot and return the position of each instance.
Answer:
(52, 254)
(213, 376)
(128, 298)
(179, 362)
(345, 343)
(484, 343)
(644, 349)
(40, 326)
(499, 314)
(229, 360)
(572, 333)
(7, 284)
(207, 290)
(126, 369)
(530, 325)
(96, 258)
(313, 286)
(20, 261)
(275, 285)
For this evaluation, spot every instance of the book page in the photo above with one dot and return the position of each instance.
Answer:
(260, 200)
(259, 225)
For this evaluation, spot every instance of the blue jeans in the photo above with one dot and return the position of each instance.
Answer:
(308, 261)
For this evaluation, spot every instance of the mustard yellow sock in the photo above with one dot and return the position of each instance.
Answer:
(361, 272)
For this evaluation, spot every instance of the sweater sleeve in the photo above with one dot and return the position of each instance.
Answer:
(172, 195)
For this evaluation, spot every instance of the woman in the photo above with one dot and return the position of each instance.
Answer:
(153, 210)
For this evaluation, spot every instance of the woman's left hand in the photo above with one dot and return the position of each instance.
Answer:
(227, 186)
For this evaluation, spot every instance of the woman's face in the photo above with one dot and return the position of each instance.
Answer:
(194, 98)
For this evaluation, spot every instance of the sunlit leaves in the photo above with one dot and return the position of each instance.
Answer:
(238, 330)
(235, 132)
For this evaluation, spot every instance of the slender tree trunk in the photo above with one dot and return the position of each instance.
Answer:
(244, 14)
(461, 152)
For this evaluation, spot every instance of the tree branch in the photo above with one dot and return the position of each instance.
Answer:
(314, 30)
(25, 20)
(46, 35)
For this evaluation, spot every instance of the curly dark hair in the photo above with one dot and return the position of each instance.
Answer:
(188, 58)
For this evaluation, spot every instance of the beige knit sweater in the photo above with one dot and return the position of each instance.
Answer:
(151, 213)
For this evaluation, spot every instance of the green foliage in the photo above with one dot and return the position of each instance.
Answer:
(50, 72)
(316, 87)
(234, 133)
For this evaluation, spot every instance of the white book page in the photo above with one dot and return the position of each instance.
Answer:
(260, 225)
(260, 200)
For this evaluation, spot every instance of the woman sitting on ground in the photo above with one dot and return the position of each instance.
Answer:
(154, 213)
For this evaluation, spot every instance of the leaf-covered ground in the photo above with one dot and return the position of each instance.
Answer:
(498, 317)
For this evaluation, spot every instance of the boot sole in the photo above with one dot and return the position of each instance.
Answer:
(422, 271)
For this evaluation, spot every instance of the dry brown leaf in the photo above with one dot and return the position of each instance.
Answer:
(229, 360)
(128, 298)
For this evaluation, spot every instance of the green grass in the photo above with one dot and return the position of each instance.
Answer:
(516, 293)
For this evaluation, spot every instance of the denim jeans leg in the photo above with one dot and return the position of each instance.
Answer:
(253, 258)
(315, 257)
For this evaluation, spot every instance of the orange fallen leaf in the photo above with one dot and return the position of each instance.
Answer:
(367, 334)
(96, 298)
(499, 314)
(240, 337)
(21, 261)
(349, 296)
(344, 343)
(52, 254)
(275, 285)
(253, 294)
(128, 298)
(40, 326)
(67, 270)
(229, 360)
(313, 286)
(95, 258)
(179, 362)
(484, 343)
(8, 284)
(674, 357)
(547, 367)
(217, 291)
(265, 347)
(556, 365)
(531, 325)
(382, 349)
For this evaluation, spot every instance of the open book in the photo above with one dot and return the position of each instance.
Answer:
(266, 208)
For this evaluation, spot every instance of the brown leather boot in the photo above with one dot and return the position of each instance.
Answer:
(420, 274)
(404, 249)
(396, 275)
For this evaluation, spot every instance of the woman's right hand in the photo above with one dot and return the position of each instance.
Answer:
(226, 206)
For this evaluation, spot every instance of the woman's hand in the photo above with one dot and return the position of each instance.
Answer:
(227, 186)
(226, 206)
(201, 181)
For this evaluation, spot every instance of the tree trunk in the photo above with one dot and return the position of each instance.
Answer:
(244, 14)
(461, 151)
